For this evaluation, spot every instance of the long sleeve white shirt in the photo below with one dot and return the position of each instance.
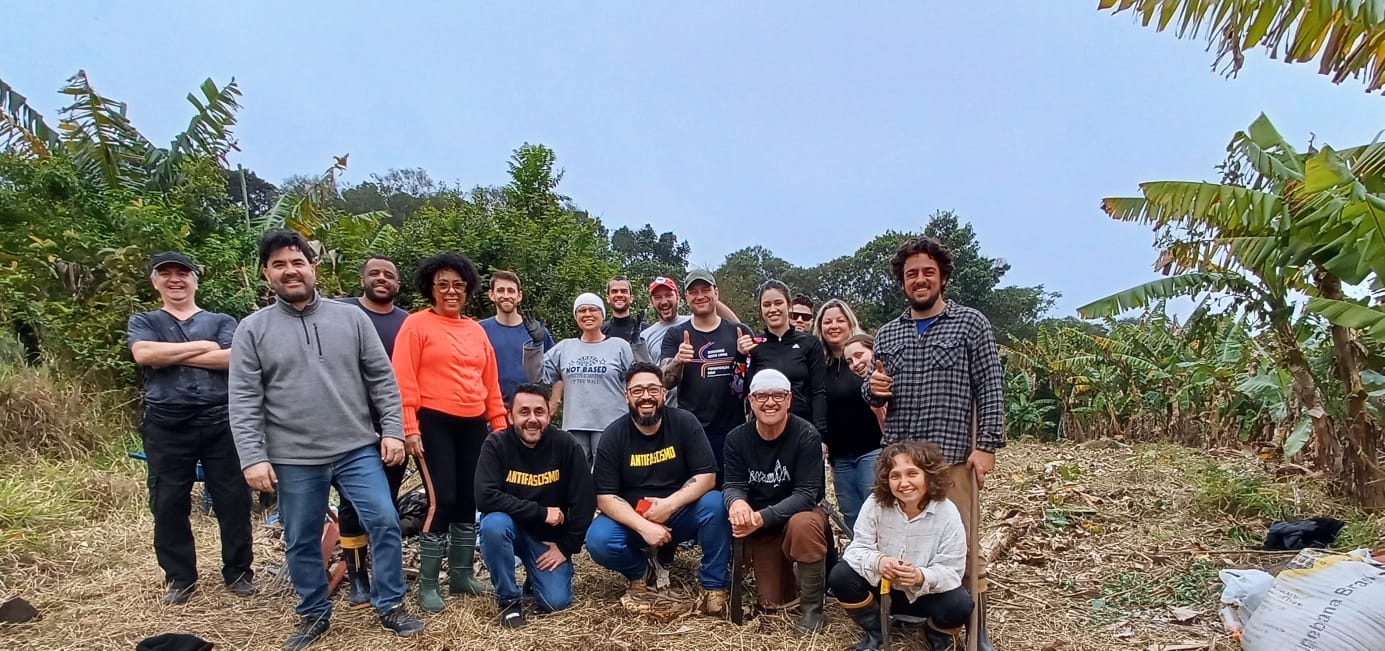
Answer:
(934, 541)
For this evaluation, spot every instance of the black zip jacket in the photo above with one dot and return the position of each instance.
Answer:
(800, 358)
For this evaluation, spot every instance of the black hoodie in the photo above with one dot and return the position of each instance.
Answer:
(523, 482)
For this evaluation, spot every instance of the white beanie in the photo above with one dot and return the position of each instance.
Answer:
(589, 299)
(769, 380)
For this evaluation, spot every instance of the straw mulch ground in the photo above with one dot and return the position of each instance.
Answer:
(1109, 542)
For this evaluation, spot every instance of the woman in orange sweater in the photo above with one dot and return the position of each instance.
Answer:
(451, 393)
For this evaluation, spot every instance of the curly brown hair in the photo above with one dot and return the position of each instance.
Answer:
(925, 455)
(913, 246)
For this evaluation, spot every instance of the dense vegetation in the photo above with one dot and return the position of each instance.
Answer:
(83, 204)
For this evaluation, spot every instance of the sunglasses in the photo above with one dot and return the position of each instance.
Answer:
(801, 316)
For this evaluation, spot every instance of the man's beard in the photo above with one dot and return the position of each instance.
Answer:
(390, 294)
(924, 306)
(305, 291)
(647, 421)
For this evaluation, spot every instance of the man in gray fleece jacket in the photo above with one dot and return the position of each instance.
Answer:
(305, 375)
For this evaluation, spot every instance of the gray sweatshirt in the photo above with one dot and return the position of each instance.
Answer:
(303, 384)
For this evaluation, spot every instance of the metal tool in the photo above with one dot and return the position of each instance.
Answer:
(884, 614)
(974, 546)
(737, 581)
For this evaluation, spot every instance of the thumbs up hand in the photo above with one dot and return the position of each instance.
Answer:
(685, 349)
(744, 342)
(880, 382)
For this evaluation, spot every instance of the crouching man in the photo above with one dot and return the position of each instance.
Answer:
(774, 476)
(533, 485)
(654, 478)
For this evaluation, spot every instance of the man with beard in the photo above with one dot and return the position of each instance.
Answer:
(183, 351)
(663, 296)
(655, 485)
(535, 489)
(622, 323)
(380, 286)
(936, 367)
(698, 357)
(308, 377)
(512, 334)
(774, 473)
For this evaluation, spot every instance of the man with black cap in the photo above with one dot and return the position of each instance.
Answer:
(184, 352)
(698, 359)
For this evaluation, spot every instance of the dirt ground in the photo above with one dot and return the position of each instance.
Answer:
(1109, 553)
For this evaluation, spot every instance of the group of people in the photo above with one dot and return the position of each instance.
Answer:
(691, 428)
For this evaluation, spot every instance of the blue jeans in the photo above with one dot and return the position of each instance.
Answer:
(617, 547)
(853, 477)
(360, 476)
(501, 541)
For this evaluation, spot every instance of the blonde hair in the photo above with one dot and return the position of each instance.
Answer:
(851, 320)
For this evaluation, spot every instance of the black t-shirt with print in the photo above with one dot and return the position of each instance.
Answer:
(633, 465)
(778, 478)
(705, 388)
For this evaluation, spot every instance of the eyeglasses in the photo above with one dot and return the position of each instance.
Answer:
(646, 390)
(801, 316)
(776, 397)
(459, 287)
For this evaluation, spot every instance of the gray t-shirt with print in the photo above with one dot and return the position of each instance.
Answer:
(593, 376)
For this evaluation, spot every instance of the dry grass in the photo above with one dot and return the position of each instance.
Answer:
(1115, 525)
(44, 414)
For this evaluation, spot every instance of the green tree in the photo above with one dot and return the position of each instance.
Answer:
(645, 254)
(558, 250)
(864, 280)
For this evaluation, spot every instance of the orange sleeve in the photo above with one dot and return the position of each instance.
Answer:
(408, 351)
(490, 376)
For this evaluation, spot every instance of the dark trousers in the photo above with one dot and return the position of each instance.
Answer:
(945, 609)
(451, 446)
(349, 521)
(173, 450)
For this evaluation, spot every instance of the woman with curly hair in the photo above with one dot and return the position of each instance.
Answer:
(451, 393)
(911, 536)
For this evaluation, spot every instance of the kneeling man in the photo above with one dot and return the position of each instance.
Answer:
(533, 485)
(654, 477)
(774, 475)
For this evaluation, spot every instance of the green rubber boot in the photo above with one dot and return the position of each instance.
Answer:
(461, 553)
(430, 548)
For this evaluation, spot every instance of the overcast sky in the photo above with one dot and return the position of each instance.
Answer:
(804, 127)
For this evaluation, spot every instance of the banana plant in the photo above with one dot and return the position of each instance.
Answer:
(1346, 37)
(1282, 223)
(107, 148)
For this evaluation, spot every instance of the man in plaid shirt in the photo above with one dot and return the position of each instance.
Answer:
(936, 365)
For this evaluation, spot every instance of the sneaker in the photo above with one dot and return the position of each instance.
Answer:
(307, 631)
(397, 620)
(243, 586)
(177, 595)
(715, 603)
(512, 616)
(636, 587)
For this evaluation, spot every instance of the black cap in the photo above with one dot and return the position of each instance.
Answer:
(696, 275)
(171, 257)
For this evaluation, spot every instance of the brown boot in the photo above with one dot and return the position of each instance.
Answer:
(715, 603)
